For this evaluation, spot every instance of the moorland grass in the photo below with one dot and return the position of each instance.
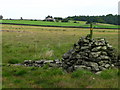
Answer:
(36, 43)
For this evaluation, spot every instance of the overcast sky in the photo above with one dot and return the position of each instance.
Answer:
(39, 9)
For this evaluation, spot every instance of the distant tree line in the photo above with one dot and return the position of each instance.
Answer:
(109, 19)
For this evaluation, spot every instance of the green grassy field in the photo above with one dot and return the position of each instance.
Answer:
(21, 43)
(80, 23)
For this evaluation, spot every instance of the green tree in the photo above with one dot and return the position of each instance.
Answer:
(58, 19)
(1, 17)
(21, 18)
(65, 20)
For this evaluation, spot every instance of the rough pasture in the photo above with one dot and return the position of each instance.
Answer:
(35, 43)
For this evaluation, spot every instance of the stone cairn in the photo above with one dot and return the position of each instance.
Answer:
(90, 54)
(94, 55)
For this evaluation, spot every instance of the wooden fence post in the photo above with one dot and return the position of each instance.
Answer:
(91, 30)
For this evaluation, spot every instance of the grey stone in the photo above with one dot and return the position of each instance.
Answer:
(53, 65)
(93, 64)
(112, 65)
(70, 69)
(78, 56)
(36, 65)
(79, 62)
(103, 64)
(96, 49)
(104, 48)
(71, 51)
(86, 41)
(84, 47)
(100, 63)
(48, 61)
(88, 68)
(102, 68)
(107, 65)
(94, 54)
(85, 63)
(66, 56)
(103, 57)
(82, 54)
(79, 66)
(95, 68)
(26, 61)
(68, 63)
(109, 46)
(99, 72)
(39, 62)
(19, 64)
(104, 53)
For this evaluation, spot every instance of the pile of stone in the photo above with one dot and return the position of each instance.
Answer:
(94, 55)
(41, 63)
